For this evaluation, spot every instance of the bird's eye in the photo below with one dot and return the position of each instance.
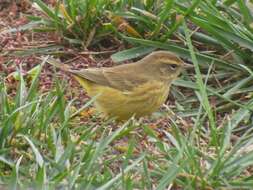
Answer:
(173, 66)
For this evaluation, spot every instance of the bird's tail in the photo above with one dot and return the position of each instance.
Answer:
(58, 65)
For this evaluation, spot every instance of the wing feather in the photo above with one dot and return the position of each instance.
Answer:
(118, 78)
(123, 77)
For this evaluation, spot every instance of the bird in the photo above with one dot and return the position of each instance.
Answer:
(129, 90)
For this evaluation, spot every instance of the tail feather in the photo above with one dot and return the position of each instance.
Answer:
(58, 65)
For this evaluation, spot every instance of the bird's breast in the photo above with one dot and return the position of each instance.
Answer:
(141, 100)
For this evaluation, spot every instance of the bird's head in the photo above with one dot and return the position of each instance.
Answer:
(165, 64)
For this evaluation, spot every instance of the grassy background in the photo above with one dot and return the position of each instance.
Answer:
(205, 144)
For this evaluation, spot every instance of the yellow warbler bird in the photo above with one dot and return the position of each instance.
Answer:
(134, 89)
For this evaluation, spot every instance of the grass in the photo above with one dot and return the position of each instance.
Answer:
(207, 142)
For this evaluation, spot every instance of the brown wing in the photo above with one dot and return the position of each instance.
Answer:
(123, 77)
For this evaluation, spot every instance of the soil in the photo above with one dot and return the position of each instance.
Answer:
(13, 56)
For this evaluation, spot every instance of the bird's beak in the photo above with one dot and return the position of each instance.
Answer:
(188, 66)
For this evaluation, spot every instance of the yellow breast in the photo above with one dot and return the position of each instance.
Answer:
(140, 101)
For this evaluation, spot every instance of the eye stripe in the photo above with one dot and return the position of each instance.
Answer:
(173, 62)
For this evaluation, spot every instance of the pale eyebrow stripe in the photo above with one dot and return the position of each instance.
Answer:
(174, 62)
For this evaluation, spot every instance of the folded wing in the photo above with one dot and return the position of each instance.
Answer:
(119, 77)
